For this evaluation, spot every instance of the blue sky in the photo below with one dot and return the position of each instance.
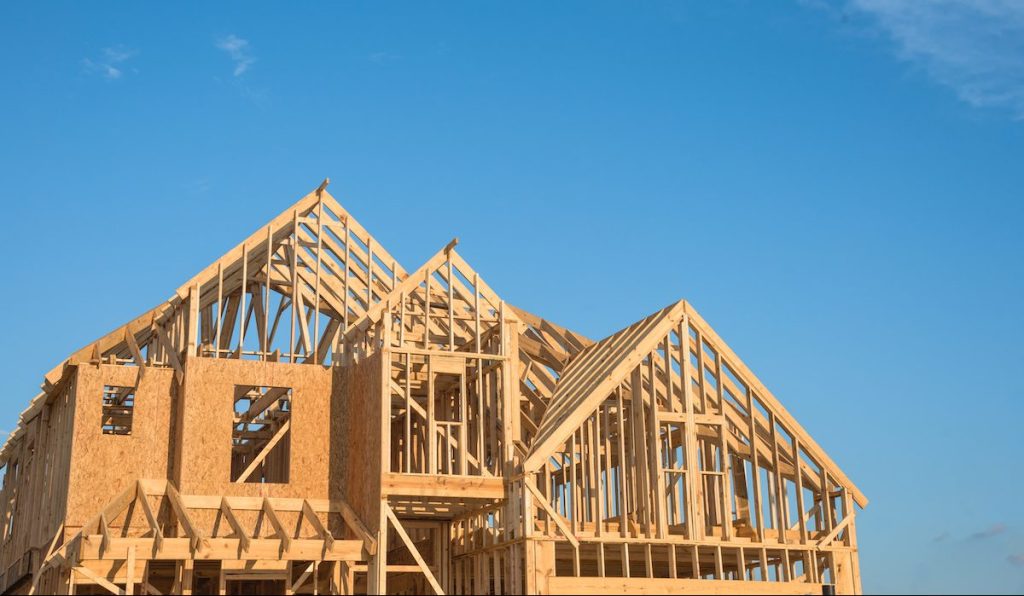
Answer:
(836, 186)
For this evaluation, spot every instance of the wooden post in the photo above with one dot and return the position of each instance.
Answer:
(186, 577)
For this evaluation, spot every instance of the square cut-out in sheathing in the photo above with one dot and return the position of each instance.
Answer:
(118, 410)
(261, 434)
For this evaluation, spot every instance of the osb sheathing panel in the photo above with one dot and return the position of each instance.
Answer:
(360, 453)
(102, 466)
(207, 411)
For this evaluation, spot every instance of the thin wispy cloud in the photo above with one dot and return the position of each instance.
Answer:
(1017, 559)
(974, 47)
(111, 63)
(989, 532)
(239, 51)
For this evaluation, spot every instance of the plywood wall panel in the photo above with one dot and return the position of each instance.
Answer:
(207, 410)
(102, 466)
(359, 455)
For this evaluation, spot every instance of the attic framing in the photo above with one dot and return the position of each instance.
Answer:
(306, 416)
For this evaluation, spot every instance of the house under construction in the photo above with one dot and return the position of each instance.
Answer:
(306, 416)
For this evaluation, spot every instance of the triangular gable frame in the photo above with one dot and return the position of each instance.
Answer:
(229, 268)
(440, 268)
(362, 249)
(609, 363)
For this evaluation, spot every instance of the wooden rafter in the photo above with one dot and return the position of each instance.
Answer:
(513, 454)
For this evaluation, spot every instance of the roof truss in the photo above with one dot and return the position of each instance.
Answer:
(717, 378)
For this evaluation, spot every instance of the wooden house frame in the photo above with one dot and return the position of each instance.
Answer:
(305, 416)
